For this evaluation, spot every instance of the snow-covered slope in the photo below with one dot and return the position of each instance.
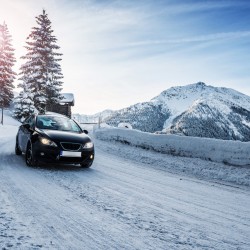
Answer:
(193, 110)
(93, 118)
(147, 116)
(206, 111)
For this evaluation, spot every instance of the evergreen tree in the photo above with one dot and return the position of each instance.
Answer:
(42, 72)
(7, 60)
(24, 104)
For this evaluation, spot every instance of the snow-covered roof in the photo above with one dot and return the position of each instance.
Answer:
(68, 98)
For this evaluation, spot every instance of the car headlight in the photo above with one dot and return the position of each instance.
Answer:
(89, 145)
(47, 142)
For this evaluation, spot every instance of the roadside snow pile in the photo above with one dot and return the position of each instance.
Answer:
(9, 126)
(125, 125)
(8, 120)
(228, 152)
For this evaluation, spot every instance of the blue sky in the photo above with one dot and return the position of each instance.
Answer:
(118, 53)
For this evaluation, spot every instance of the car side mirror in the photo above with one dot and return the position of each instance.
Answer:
(85, 131)
(26, 125)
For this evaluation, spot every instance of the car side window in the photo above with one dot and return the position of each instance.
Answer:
(32, 122)
(74, 126)
(26, 121)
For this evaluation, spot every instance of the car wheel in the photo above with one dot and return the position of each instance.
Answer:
(17, 149)
(29, 157)
(86, 165)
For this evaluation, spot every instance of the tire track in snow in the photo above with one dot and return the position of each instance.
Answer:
(101, 193)
(119, 204)
(71, 218)
(13, 229)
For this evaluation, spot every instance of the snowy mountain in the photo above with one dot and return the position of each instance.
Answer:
(146, 116)
(81, 118)
(193, 110)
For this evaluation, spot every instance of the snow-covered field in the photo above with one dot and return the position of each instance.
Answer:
(122, 202)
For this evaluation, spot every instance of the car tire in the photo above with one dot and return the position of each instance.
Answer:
(29, 157)
(17, 149)
(86, 165)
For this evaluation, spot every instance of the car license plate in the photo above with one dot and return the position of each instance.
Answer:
(70, 154)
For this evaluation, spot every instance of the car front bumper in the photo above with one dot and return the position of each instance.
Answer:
(52, 154)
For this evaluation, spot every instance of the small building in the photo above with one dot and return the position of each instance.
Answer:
(64, 107)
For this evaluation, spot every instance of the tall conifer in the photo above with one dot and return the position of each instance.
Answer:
(7, 60)
(42, 72)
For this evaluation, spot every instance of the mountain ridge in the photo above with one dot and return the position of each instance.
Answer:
(197, 109)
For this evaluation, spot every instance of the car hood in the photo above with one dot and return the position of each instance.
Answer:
(64, 136)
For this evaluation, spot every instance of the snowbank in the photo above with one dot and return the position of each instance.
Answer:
(10, 126)
(125, 125)
(229, 152)
(8, 119)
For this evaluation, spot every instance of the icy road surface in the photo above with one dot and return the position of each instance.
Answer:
(116, 204)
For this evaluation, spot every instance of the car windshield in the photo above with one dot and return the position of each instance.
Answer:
(57, 123)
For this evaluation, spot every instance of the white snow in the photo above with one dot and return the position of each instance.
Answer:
(81, 118)
(67, 97)
(229, 152)
(130, 199)
(246, 123)
(125, 125)
(183, 98)
(8, 120)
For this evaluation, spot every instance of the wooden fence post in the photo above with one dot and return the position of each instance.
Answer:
(2, 117)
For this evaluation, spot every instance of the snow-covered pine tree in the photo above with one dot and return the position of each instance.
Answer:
(42, 71)
(24, 104)
(7, 60)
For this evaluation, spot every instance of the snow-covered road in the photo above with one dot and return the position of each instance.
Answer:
(116, 204)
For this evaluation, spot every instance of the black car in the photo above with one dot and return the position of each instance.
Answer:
(54, 138)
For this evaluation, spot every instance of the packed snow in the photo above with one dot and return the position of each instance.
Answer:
(131, 198)
(230, 152)
(8, 121)
(67, 97)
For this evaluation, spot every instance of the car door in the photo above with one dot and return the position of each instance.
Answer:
(25, 132)
(21, 135)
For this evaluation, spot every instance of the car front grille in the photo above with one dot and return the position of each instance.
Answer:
(70, 146)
